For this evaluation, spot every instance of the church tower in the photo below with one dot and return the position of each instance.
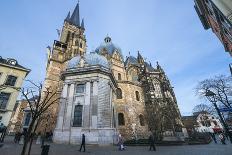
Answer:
(72, 43)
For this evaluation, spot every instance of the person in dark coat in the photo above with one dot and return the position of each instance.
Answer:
(222, 138)
(152, 142)
(213, 137)
(82, 142)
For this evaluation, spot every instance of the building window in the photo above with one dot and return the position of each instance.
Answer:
(0, 118)
(221, 18)
(215, 123)
(27, 119)
(80, 88)
(77, 121)
(121, 120)
(119, 93)
(141, 120)
(4, 98)
(11, 80)
(208, 124)
(119, 76)
(137, 95)
(81, 45)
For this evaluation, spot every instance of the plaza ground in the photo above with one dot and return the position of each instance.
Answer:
(10, 148)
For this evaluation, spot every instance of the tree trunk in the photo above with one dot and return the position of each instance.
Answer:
(25, 144)
(31, 141)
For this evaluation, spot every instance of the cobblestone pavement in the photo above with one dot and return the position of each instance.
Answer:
(10, 148)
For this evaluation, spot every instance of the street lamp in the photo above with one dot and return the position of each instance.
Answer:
(230, 65)
(211, 97)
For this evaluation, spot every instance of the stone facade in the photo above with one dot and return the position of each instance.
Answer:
(72, 43)
(95, 100)
(115, 98)
(17, 119)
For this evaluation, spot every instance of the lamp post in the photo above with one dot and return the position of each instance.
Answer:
(211, 97)
(230, 65)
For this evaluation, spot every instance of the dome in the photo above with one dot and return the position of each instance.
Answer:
(108, 47)
(92, 59)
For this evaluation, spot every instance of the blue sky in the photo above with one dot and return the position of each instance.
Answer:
(166, 31)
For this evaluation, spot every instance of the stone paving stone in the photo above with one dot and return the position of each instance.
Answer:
(10, 148)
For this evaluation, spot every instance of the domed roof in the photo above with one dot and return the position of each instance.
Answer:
(108, 47)
(92, 59)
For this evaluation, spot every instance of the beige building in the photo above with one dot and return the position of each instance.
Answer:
(18, 119)
(11, 78)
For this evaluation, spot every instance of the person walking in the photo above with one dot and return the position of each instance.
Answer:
(16, 137)
(213, 137)
(82, 143)
(120, 142)
(222, 138)
(152, 142)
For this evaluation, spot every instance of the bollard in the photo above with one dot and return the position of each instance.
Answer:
(45, 149)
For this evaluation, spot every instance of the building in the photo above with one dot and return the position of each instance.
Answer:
(202, 122)
(103, 93)
(217, 15)
(17, 121)
(12, 75)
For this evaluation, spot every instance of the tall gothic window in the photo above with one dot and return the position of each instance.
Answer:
(134, 75)
(27, 119)
(141, 120)
(121, 120)
(119, 93)
(119, 76)
(137, 95)
(77, 121)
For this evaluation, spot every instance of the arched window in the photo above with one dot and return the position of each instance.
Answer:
(77, 121)
(121, 120)
(119, 76)
(119, 93)
(141, 120)
(134, 75)
(137, 95)
(27, 119)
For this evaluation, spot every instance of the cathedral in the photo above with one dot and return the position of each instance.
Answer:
(104, 93)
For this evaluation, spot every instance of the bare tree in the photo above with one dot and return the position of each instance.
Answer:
(221, 86)
(169, 115)
(203, 108)
(38, 106)
(154, 119)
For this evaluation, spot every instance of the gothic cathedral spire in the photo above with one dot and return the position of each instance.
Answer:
(75, 18)
(72, 43)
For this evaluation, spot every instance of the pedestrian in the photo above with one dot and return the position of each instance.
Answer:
(222, 138)
(213, 137)
(16, 137)
(226, 135)
(120, 142)
(152, 142)
(82, 142)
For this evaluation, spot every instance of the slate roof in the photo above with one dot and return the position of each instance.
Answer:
(134, 61)
(109, 47)
(74, 19)
(91, 59)
(13, 63)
